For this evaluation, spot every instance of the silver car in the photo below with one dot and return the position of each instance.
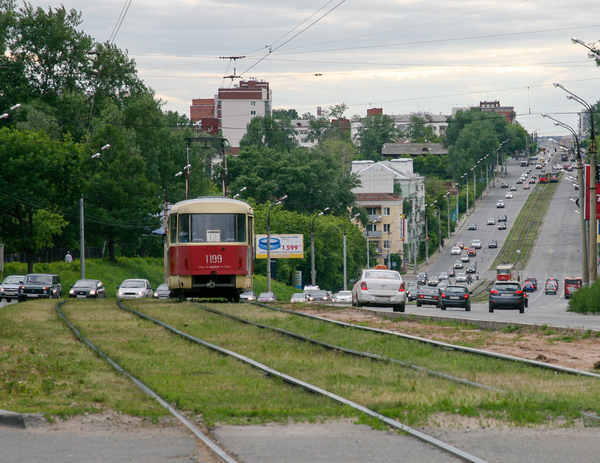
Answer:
(134, 289)
(298, 297)
(379, 287)
(10, 287)
(343, 296)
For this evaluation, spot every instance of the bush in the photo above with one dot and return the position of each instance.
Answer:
(586, 300)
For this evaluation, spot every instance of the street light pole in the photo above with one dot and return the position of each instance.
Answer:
(390, 243)
(448, 204)
(313, 272)
(593, 232)
(474, 185)
(580, 182)
(277, 203)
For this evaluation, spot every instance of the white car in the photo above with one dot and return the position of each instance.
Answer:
(343, 296)
(134, 289)
(298, 297)
(500, 203)
(461, 278)
(455, 251)
(509, 196)
(476, 244)
(380, 287)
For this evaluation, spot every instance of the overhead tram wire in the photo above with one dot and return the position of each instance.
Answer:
(120, 20)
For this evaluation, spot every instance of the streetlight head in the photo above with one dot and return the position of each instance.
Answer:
(94, 156)
(178, 174)
(285, 197)
(243, 189)
(326, 209)
(13, 107)
(576, 40)
(4, 116)
(556, 84)
(544, 115)
(105, 147)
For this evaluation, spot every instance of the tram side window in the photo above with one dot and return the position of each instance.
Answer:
(173, 228)
(184, 228)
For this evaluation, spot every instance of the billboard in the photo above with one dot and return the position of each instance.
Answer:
(282, 246)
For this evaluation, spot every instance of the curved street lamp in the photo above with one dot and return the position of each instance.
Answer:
(580, 184)
(313, 272)
(277, 203)
(593, 237)
(592, 52)
(390, 242)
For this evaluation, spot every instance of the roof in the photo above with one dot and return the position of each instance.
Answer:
(413, 149)
(377, 197)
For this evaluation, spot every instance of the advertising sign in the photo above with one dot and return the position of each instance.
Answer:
(282, 246)
(402, 227)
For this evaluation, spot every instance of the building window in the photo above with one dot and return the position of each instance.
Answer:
(371, 210)
(372, 227)
(386, 227)
(386, 244)
(386, 211)
(253, 113)
(253, 103)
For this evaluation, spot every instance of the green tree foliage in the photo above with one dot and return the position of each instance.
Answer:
(269, 132)
(285, 114)
(329, 126)
(419, 132)
(38, 184)
(373, 133)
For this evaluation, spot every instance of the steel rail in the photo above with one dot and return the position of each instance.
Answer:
(354, 352)
(443, 345)
(315, 389)
(218, 451)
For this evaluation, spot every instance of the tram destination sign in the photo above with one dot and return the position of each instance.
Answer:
(282, 246)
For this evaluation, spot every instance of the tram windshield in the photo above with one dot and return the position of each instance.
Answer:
(209, 228)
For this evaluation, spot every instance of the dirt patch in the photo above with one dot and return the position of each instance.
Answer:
(576, 349)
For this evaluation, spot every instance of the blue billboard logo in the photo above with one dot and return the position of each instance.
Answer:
(275, 243)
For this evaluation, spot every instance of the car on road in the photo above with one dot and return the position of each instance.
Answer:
(248, 296)
(491, 221)
(433, 281)
(472, 226)
(298, 297)
(455, 296)
(500, 203)
(492, 244)
(519, 181)
(428, 296)
(455, 251)
(422, 278)
(472, 251)
(379, 287)
(461, 277)
(443, 276)
(267, 297)
(530, 284)
(508, 196)
(476, 244)
(451, 273)
(346, 296)
(39, 286)
(532, 180)
(442, 284)
(460, 244)
(513, 188)
(504, 185)
(465, 257)
(87, 289)
(526, 186)
(507, 295)
(162, 292)
(458, 264)
(10, 287)
(550, 287)
(471, 269)
(502, 218)
(411, 290)
(318, 296)
(502, 226)
(134, 288)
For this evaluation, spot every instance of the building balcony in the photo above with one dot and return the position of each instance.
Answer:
(373, 234)
(374, 218)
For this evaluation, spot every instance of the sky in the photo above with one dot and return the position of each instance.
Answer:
(404, 56)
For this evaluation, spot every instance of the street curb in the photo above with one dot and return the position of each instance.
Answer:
(22, 420)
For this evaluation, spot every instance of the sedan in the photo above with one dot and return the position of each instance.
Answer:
(458, 264)
(502, 218)
(455, 251)
(461, 278)
(472, 269)
(465, 258)
(526, 186)
(267, 297)
(299, 297)
(411, 290)
(476, 244)
(428, 296)
(550, 288)
(502, 226)
(247, 296)
(10, 287)
(532, 180)
(318, 296)
(433, 281)
(519, 181)
(455, 296)
(451, 273)
(379, 287)
(509, 196)
(443, 276)
(504, 185)
(492, 244)
(530, 284)
(134, 289)
(88, 289)
(345, 296)
(472, 251)
(491, 221)
(513, 188)
(500, 203)
(472, 226)
(162, 292)
(507, 295)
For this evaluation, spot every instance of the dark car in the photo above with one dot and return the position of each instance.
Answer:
(318, 296)
(422, 278)
(10, 287)
(504, 185)
(162, 292)
(455, 296)
(502, 226)
(492, 244)
(433, 281)
(471, 269)
(451, 273)
(530, 284)
(411, 290)
(502, 218)
(507, 295)
(87, 289)
(428, 296)
(40, 285)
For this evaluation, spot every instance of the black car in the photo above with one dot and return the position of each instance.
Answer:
(492, 244)
(502, 226)
(422, 278)
(39, 286)
(451, 273)
(87, 289)
(471, 269)
(502, 218)
(318, 296)
(504, 185)
(162, 292)
(507, 295)
(433, 281)
(411, 290)
(456, 296)
(428, 295)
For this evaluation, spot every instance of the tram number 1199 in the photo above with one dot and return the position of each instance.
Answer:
(214, 259)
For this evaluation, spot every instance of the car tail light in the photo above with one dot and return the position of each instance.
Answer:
(466, 296)
(443, 294)
(493, 291)
(401, 289)
(519, 292)
(363, 285)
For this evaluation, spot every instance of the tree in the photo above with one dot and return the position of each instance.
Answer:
(419, 132)
(328, 126)
(373, 133)
(39, 179)
(285, 114)
(266, 131)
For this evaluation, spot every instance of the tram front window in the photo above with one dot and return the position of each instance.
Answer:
(217, 228)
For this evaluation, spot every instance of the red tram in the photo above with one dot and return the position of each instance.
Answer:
(210, 248)
(543, 177)
(505, 272)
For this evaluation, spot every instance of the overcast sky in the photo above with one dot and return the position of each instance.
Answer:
(399, 55)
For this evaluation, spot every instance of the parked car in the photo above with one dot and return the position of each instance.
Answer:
(40, 285)
(162, 292)
(507, 295)
(10, 287)
(492, 244)
(379, 287)
(299, 297)
(411, 290)
(455, 296)
(530, 284)
(87, 289)
(267, 297)
(346, 296)
(472, 226)
(428, 296)
(134, 288)
(247, 296)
